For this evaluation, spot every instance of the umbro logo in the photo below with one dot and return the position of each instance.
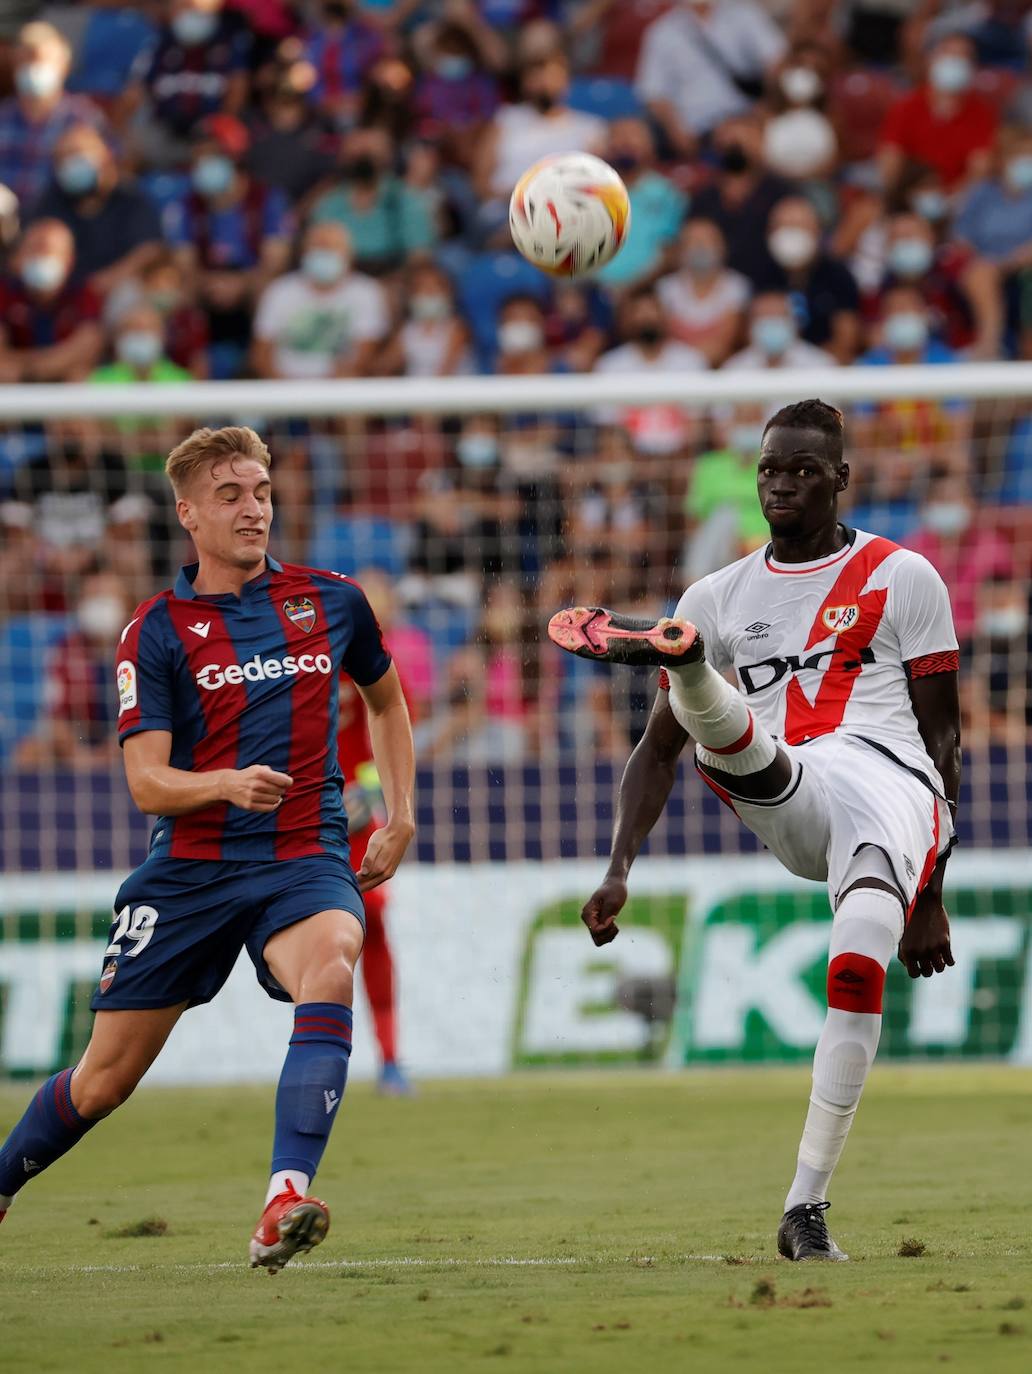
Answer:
(30, 1166)
(331, 1099)
(757, 630)
(848, 976)
(908, 864)
(201, 628)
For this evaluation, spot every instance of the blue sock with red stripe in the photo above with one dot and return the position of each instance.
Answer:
(49, 1129)
(311, 1085)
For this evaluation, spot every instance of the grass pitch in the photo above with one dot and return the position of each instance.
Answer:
(541, 1223)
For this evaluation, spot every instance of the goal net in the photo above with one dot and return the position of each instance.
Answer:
(471, 509)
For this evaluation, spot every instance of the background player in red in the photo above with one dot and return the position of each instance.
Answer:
(362, 801)
(228, 712)
(840, 750)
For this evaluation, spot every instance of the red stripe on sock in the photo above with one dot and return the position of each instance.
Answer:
(741, 743)
(323, 1027)
(855, 983)
(66, 1112)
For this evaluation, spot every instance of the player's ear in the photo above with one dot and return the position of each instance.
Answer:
(842, 477)
(185, 514)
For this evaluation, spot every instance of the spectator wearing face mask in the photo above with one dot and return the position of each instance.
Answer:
(115, 226)
(49, 321)
(943, 123)
(522, 343)
(35, 117)
(721, 502)
(961, 291)
(199, 67)
(293, 145)
(996, 666)
(965, 551)
(231, 234)
(541, 125)
(324, 320)
(824, 294)
(387, 221)
(657, 205)
(78, 727)
(341, 47)
(456, 94)
(433, 341)
(740, 197)
(995, 221)
(704, 299)
(774, 339)
(163, 284)
(704, 62)
(799, 140)
(139, 356)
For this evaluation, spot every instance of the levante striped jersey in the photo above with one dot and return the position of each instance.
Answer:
(245, 680)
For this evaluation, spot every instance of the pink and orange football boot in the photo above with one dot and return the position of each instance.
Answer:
(593, 632)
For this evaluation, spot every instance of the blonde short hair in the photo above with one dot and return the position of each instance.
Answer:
(206, 446)
(39, 34)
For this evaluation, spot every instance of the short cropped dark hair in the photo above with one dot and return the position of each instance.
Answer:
(812, 414)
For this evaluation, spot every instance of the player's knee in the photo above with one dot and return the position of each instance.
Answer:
(840, 1071)
(331, 978)
(98, 1094)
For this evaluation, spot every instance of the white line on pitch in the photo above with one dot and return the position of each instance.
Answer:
(388, 1262)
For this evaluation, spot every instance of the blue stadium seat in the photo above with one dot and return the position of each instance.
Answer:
(1015, 487)
(893, 520)
(346, 543)
(486, 284)
(25, 643)
(113, 40)
(168, 191)
(606, 96)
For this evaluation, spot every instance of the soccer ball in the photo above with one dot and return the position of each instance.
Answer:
(569, 215)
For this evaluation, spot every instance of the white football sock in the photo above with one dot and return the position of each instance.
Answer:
(867, 923)
(278, 1183)
(717, 718)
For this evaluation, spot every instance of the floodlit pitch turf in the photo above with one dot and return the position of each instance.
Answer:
(546, 1223)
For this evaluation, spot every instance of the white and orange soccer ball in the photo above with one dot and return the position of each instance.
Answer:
(569, 215)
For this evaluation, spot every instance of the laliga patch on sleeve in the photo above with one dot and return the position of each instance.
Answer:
(126, 678)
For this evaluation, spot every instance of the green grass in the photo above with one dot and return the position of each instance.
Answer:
(623, 1186)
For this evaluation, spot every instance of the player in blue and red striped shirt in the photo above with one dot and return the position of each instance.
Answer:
(228, 712)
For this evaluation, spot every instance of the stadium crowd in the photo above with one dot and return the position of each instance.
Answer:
(200, 189)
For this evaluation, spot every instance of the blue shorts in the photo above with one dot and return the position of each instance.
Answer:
(181, 923)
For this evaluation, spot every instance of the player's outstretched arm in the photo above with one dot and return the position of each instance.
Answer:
(161, 790)
(644, 790)
(390, 733)
(925, 947)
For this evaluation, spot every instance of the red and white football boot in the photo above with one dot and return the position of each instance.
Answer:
(290, 1225)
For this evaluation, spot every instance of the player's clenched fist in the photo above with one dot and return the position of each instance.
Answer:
(602, 908)
(257, 788)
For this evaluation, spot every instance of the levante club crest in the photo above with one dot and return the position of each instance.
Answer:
(301, 611)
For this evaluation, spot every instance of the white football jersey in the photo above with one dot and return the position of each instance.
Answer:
(818, 647)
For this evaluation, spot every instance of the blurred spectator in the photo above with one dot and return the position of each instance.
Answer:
(198, 68)
(433, 341)
(49, 330)
(21, 590)
(387, 99)
(995, 221)
(457, 95)
(704, 62)
(115, 226)
(721, 501)
(799, 140)
(999, 29)
(578, 323)
(232, 235)
(965, 550)
(774, 338)
(137, 547)
(35, 117)
(996, 666)
(740, 198)
(905, 333)
(163, 284)
(657, 205)
(611, 33)
(650, 347)
(341, 47)
(410, 646)
(943, 123)
(824, 294)
(387, 221)
(522, 343)
(78, 728)
(291, 143)
(139, 356)
(542, 125)
(704, 299)
(323, 320)
(962, 291)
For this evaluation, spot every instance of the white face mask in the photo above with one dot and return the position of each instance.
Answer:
(1005, 622)
(947, 517)
(101, 617)
(792, 246)
(519, 336)
(43, 272)
(41, 79)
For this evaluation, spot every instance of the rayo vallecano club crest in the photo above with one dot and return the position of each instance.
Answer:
(301, 611)
(838, 619)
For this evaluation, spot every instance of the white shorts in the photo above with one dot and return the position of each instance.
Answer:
(849, 809)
